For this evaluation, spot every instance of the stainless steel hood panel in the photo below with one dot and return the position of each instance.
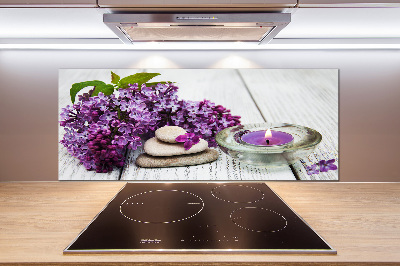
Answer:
(203, 33)
(177, 27)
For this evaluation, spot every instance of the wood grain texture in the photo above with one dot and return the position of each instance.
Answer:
(360, 220)
(307, 97)
(223, 169)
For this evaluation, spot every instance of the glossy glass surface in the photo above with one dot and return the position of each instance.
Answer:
(198, 217)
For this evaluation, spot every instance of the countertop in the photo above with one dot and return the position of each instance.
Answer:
(360, 220)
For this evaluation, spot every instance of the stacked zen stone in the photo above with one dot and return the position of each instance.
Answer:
(164, 151)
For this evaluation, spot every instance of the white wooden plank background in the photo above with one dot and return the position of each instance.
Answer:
(234, 89)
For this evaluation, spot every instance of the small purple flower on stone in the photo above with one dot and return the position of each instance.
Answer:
(189, 140)
(312, 169)
(325, 166)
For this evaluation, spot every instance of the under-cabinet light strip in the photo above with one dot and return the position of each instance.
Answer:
(278, 44)
(188, 47)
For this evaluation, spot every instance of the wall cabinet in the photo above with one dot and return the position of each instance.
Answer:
(48, 3)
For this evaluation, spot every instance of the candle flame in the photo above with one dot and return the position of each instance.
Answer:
(268, 134)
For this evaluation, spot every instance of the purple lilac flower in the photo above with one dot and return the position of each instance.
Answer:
(108, 116)
(189, 140)
(121, 141)
(123, 93)
(124, 105)
(125, 128)
(312, 169)
(203, 118)
(115, 123)
(102, 97)
(104, 155)
(134, 142)
(98, 130)
(325, 166)
(85, 96)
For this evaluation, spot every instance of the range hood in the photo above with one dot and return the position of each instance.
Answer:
(257, 28)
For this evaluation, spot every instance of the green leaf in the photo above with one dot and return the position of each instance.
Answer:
(107, 89)
(138, 78)
(152, 84)
(77, 87)
(114, 78)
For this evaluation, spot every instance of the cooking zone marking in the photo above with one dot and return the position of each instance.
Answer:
(238, 191)
(144, 200)
(257, 219)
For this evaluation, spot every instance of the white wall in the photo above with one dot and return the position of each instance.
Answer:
(369, 101)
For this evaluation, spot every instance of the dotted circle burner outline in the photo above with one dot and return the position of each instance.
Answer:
(159, 190)
(262, 193)
(259, 231)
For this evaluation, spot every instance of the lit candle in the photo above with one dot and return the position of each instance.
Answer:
(267, 138)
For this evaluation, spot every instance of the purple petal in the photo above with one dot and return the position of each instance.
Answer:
(187, 145)
(190, 135)
(331, 167)
(195, 139)
(312, 169)
(181, 138)
(323, 168)
(330, 161)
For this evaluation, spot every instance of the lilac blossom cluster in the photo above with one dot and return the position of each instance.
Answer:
(204, 119)
(100, 129)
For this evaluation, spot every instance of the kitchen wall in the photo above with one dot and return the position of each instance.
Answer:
(369, 101)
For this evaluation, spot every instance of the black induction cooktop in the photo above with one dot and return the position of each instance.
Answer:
(198, 217)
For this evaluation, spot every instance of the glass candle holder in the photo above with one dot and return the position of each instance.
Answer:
(286, 144)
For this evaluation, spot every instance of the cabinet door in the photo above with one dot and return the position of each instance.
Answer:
(48, 3)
